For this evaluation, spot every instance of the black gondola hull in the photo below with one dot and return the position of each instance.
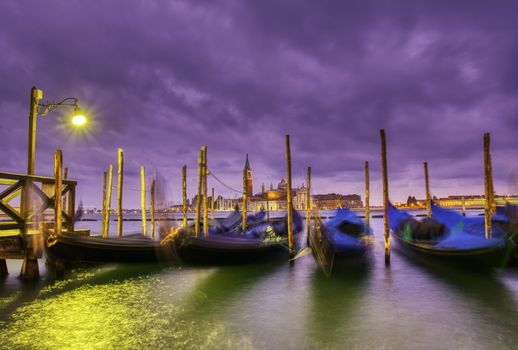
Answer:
(476, 258)
(92, 249)
(228, 251)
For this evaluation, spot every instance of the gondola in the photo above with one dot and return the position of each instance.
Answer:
(264, 241)
(504, 224)
(131, 248)
(473, 224)
(343, 241)
(431, 239)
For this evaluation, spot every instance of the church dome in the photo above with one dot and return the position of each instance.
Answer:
(283, 185)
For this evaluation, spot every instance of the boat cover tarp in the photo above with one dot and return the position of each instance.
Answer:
(455, 237)
(474, 225)
(346, 231)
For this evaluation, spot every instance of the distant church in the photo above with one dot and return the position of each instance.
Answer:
(248, 179)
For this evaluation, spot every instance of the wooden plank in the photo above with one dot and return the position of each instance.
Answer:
(11, 190)
(23, 177)
(10, 226)
(7, 209)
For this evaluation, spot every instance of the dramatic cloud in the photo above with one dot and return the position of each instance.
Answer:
(162, 78)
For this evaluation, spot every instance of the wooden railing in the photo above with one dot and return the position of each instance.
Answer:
(36, 195)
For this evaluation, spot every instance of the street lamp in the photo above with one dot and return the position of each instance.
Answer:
(38, 109)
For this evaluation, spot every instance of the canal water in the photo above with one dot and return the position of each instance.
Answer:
(404, 306)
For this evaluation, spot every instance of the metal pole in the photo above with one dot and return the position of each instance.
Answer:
(385, 196)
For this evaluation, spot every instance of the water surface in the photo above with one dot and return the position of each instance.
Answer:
(270, 306)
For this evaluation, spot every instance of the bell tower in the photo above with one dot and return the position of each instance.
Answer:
(248, 169)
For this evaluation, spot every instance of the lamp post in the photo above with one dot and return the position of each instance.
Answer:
(38, 109)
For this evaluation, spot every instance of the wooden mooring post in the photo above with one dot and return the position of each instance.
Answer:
(205, 195)
(427, 188)
(463, 206)
(152, 208)
(106, 228)
(367, 198)
(120, 175)
(103, 212)
(143, 199)
(198, 197)
(386, 227)
(65, 177)
(289, 199)
(244, 208)
(58, 189)
(488, 186)
(184, 195)
(308, 204)
(212, 204)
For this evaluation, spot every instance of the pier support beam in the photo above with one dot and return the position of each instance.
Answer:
(3, 268)
(30, 269)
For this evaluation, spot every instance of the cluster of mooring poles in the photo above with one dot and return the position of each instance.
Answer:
(61, 185)
(107, 199)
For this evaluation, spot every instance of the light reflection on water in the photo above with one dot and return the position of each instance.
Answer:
(406, 306)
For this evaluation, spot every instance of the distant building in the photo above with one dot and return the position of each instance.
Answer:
(248, 177)
(274, 199)
(333, 200)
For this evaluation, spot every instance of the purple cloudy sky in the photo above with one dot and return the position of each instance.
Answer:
(162, 78)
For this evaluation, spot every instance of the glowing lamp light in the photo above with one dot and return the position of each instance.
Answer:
(78, 118)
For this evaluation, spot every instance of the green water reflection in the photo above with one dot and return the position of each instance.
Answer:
(405, 306)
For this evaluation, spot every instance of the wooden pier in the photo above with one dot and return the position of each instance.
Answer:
(28, 207)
